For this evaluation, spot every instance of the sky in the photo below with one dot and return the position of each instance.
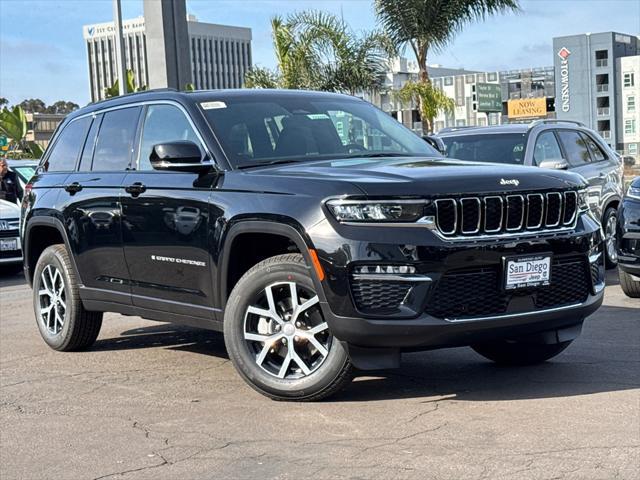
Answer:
(42, 52)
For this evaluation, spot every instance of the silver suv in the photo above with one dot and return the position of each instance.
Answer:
(555, 144)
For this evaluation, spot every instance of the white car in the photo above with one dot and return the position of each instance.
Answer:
(10, 247)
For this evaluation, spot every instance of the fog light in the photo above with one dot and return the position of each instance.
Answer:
(385, 269)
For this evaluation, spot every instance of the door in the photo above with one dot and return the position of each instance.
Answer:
(576, 151)
(91, 203)
(165, 222)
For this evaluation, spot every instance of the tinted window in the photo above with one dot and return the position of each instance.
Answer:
(575, 147)
(162, 124)
(89, 144)
(546, 148)
(65, 151)
(597, 155)
(115, 140)
(488, 147)
(260, 129)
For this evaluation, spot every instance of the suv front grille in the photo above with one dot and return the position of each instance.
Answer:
(478, 292)
(378, 295)
(494, 214)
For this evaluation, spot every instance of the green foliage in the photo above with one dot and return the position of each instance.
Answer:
(317, 51)
(189, 87)
(33, 105)
(430, 100)
(114, 90)
(13, 125)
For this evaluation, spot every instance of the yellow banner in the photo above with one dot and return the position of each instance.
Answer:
(527, 107)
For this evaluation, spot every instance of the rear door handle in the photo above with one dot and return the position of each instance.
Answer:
(135, 189)
(73, 187)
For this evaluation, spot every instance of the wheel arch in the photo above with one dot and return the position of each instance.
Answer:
(260, 228)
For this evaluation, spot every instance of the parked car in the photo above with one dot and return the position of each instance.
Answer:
(629, 241)
(553, 144)
(24, 170)
(313, 250)
(10, 244)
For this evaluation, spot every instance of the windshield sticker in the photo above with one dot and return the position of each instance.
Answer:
(213, 105)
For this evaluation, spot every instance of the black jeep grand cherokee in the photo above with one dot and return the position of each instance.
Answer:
(313, 229)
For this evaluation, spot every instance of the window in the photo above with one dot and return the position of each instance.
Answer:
(546, 148)
(492, 77)
(630, 126)
(162, 124)
(489, 147)
(461, 123)
(65, 151)
(448, 80)
(631, 104)
(597, 155)
(629, 80)
(633, 149)
(469, 79)
(89, 144)
(575, 147)
(115, 140)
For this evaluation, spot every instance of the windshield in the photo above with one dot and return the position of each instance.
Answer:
(25, 172)
(255, 131)
(488, 147)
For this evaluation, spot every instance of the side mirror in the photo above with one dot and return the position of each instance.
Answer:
(179, 156)
(436, 143)
(554, 164)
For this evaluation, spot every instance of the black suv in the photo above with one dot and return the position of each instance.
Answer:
(554, 144)
(629, 241)
(313, 229)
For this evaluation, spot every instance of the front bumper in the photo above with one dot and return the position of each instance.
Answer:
(416, 324)
(13, 255)
(629, 237)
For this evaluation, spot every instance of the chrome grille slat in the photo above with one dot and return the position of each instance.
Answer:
(505, 215)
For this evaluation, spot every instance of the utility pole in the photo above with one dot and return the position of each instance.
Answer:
(120, 59)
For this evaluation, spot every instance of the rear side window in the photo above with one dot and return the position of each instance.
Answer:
(597, 155)
(546, 148)
(67, 148)
(163, 124)
(89, 144)
(115, 140)
(575, 147)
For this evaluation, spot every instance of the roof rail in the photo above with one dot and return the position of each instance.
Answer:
(554, 120)
(139, 92)
(455, 129)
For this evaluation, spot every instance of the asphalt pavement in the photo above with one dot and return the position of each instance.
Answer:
(155, 401)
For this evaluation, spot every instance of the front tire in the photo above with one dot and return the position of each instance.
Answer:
(630, 287)
(507, 352)
(276, 335)
(63, 322)
(609, 224)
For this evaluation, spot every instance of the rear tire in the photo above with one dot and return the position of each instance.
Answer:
(507, 352)
(63, 322)
(610, 225)
(276, 335)
(630, 287)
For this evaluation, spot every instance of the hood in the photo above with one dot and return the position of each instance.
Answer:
(9, 210)
(427, 176)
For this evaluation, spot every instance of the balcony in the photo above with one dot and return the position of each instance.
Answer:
(603, 111)
(603, 87)
(606, 134)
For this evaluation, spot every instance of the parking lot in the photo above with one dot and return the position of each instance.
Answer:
(153, 400)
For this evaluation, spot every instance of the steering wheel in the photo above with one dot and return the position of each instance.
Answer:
(354, 146)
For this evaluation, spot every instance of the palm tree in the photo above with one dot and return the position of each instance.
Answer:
(430, 25)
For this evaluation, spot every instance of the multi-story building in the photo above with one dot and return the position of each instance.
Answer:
(220, 54)
(586, 70)
(628, 80)
(528, 94)
(40, 127)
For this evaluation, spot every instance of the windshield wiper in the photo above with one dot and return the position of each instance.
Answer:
(380, 154)
(265, 164)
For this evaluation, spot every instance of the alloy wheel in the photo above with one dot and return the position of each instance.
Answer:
(52, 297)
(610, 238)
(285, 331)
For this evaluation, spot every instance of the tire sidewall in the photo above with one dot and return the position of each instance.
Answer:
(610, 212)
(245, 290)
(51, 256)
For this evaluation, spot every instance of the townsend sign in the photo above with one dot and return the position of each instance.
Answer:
(564, 53)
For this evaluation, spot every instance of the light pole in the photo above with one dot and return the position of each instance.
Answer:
(120, 60)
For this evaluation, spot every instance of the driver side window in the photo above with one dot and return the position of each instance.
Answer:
(162, 124)
(546, 148)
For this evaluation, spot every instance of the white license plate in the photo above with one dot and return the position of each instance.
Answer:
(526, 272)
(8, 244)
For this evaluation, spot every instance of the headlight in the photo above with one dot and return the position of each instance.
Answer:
(377, 210)
(583, 200)
(633, 192)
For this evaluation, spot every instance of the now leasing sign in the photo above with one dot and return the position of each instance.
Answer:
(527, 108)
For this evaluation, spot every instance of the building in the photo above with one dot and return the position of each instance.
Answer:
(587, 69)
(220, 54)
(628, 80)
(40, 127)
(528, 94)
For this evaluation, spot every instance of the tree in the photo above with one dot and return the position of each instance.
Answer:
(430, 25)
(62, 107)
(114, 90)
(13, 125)
(33, 105)
(259, 77)
(3, 102)
(430, 100)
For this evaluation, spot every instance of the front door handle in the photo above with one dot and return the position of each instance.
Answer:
(73, 187)
(135, 189)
